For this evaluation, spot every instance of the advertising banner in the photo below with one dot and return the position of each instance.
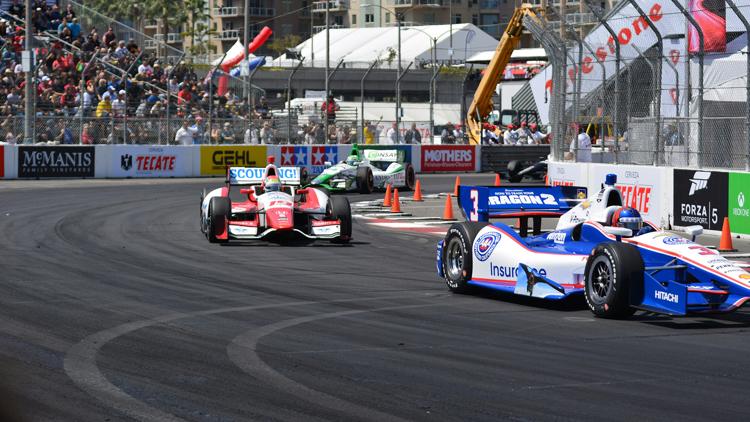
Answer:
(2, 161)
(448, 158)
(56, 161)
(150, 161)
(406, 148)
(216, 159)
(312, 157)
(640, 187)
(566, 174)
(711, 17)
(739, 202)
(700, 198)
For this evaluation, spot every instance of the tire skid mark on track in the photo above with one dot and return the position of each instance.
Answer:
(242, 350)
(81, 367)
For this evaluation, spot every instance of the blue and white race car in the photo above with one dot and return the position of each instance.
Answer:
(599, 249)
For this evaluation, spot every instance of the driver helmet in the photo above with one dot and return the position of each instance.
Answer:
(628, 218)
(273, 184)
(352, 160)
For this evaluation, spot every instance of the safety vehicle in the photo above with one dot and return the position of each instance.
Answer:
(365, 170)
(598, 248)
(272, 206)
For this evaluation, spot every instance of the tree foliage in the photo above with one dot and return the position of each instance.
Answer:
(280, 44)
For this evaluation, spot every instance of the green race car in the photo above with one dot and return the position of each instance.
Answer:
(366, 170)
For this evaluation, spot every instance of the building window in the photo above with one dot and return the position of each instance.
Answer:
(457, 18)
(354, 19)
(369, 18)
(338, 20)
(387, 18)
(475, 20)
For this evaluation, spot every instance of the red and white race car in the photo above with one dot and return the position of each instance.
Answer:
(271, 206)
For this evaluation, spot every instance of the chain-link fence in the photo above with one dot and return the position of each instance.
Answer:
(647, 84)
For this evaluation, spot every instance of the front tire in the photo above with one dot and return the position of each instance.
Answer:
(218, 213)
(513, 168)
(410, 178)
(341, 210)
(611, 271)
(457, 255)
(365, 180)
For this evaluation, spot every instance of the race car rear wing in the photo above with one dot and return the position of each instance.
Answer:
(237, 176)
(480, 203)
(383, 155)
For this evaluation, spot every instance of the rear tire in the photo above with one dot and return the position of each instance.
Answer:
(365, 180)
(611, 271)
(513, 168)
(341, 210)
(218, 214)
(457, 255)
(410, 178)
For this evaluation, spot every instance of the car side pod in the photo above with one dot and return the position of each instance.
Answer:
(531, 282)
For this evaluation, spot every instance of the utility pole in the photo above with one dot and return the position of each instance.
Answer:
(28, 91)
(245, 70)
(450, 29)
(328, 68)
(398, 79)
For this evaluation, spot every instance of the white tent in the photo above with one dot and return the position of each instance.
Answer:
(359, 47)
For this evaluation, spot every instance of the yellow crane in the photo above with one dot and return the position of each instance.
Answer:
(481, 105)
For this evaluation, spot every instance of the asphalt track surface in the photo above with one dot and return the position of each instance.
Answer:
(113, 307)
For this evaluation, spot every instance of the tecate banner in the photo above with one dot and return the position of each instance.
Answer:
(156, 161)
(448, 158)
(56, 161)
(639, 185)
(216, 159)
(700, 198)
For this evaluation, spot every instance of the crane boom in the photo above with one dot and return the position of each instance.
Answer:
(481, 105)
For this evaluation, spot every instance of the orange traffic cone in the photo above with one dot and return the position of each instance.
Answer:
(448, 210)
(497, 179)
(725, 244)
(387, 199)
(455, 188)
(396, 207)
(417, 192)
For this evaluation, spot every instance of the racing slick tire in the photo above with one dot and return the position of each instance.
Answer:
(513, 168)
(200, 209)
(365, 180)
(410, 178)
(218, 214)
(457, 255)
(341, 210)
(611, 271)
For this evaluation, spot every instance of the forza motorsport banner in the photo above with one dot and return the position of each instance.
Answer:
(448, 157)
(56, 161)
(739, 202)
(216, 159)
(700, 198)
(154, 161)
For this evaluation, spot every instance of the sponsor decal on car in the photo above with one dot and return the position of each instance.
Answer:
(390, 155)
(511, 272)
(557, 237)
(56, 161)
(676, 240)
(666, 296)
(521, 197)
(448, 157)
(485, 244)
